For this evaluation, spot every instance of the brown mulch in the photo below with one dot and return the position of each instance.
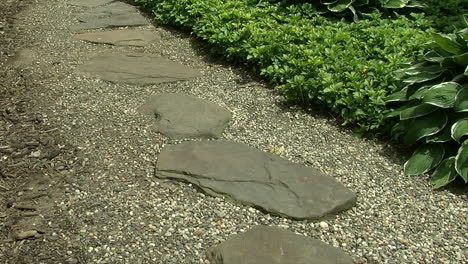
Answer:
(34, 162)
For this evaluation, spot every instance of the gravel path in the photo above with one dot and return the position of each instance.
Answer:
(115, 211)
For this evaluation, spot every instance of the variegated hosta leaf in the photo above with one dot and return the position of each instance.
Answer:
(414, 3)
(395, 3)
(399, 96)
(444, 174)
(461, 100)
(423, 77)
(433, 56)
(340, 5)
(419, 94)
(420, 68)
(461, 59)
(461, 161)
(448, 44)
(424, 159)
(417, 111)
(442, 137)
(459, 129)
(425, 126)
(442, 95)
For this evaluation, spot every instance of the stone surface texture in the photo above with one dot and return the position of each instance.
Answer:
(90, 3)
(113, 15)
(136, 69)
(263, 180)
(123, 37)
(272, 245)
(185, 116)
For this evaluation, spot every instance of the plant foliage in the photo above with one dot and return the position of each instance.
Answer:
(434, 110)
(344, 67)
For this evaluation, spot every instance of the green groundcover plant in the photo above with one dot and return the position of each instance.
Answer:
(434, 111)
(344, 66)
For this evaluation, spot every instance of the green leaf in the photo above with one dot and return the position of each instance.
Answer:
(433, 56)
(461, 161)
(442, 95)
(424, 159)
(422, 68)
(466, 71)
(461, 100)
(447, 43)
(444, 174)
(425, 126)
(340, 5)
(399, 96)
(442, 137)
(417, 111)
(418, 4)
(459, 129)
(423, 77)
(461, 59)
(419, 94)
(395, 4)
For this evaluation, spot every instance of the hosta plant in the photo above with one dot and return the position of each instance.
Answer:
(356, 6)
(352, 5)
(434, 110)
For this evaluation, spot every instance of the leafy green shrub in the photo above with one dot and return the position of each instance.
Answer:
(447, 15)
(435, 110)
(345, 67)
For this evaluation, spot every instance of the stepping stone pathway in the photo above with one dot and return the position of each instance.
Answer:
(124, 37)
(263, 180)
(183, 116)
(271, 245)
(90, 3)
(113, 15)
(137, 69)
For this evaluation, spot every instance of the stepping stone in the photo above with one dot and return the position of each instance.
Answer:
(124, 37)
(113, 15)
(137, 69)
(183, 116)
(252, 177)
(272, 245)
(90, 3)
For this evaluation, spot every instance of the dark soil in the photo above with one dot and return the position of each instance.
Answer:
(33, 159)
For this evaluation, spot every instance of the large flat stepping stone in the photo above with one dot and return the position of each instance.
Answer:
(113, 15)
(90, 3)
(252, 177)
(137, 69)
(183, 116)
(123, 37)
(271, 245)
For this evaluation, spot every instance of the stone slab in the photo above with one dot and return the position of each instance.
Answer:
(252, 177)
(136, 69)
(90, 3)
(271, 245)
(113, 15)
(184, 116)
(123, 37)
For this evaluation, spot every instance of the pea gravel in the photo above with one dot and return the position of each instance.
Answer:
(113, 209)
